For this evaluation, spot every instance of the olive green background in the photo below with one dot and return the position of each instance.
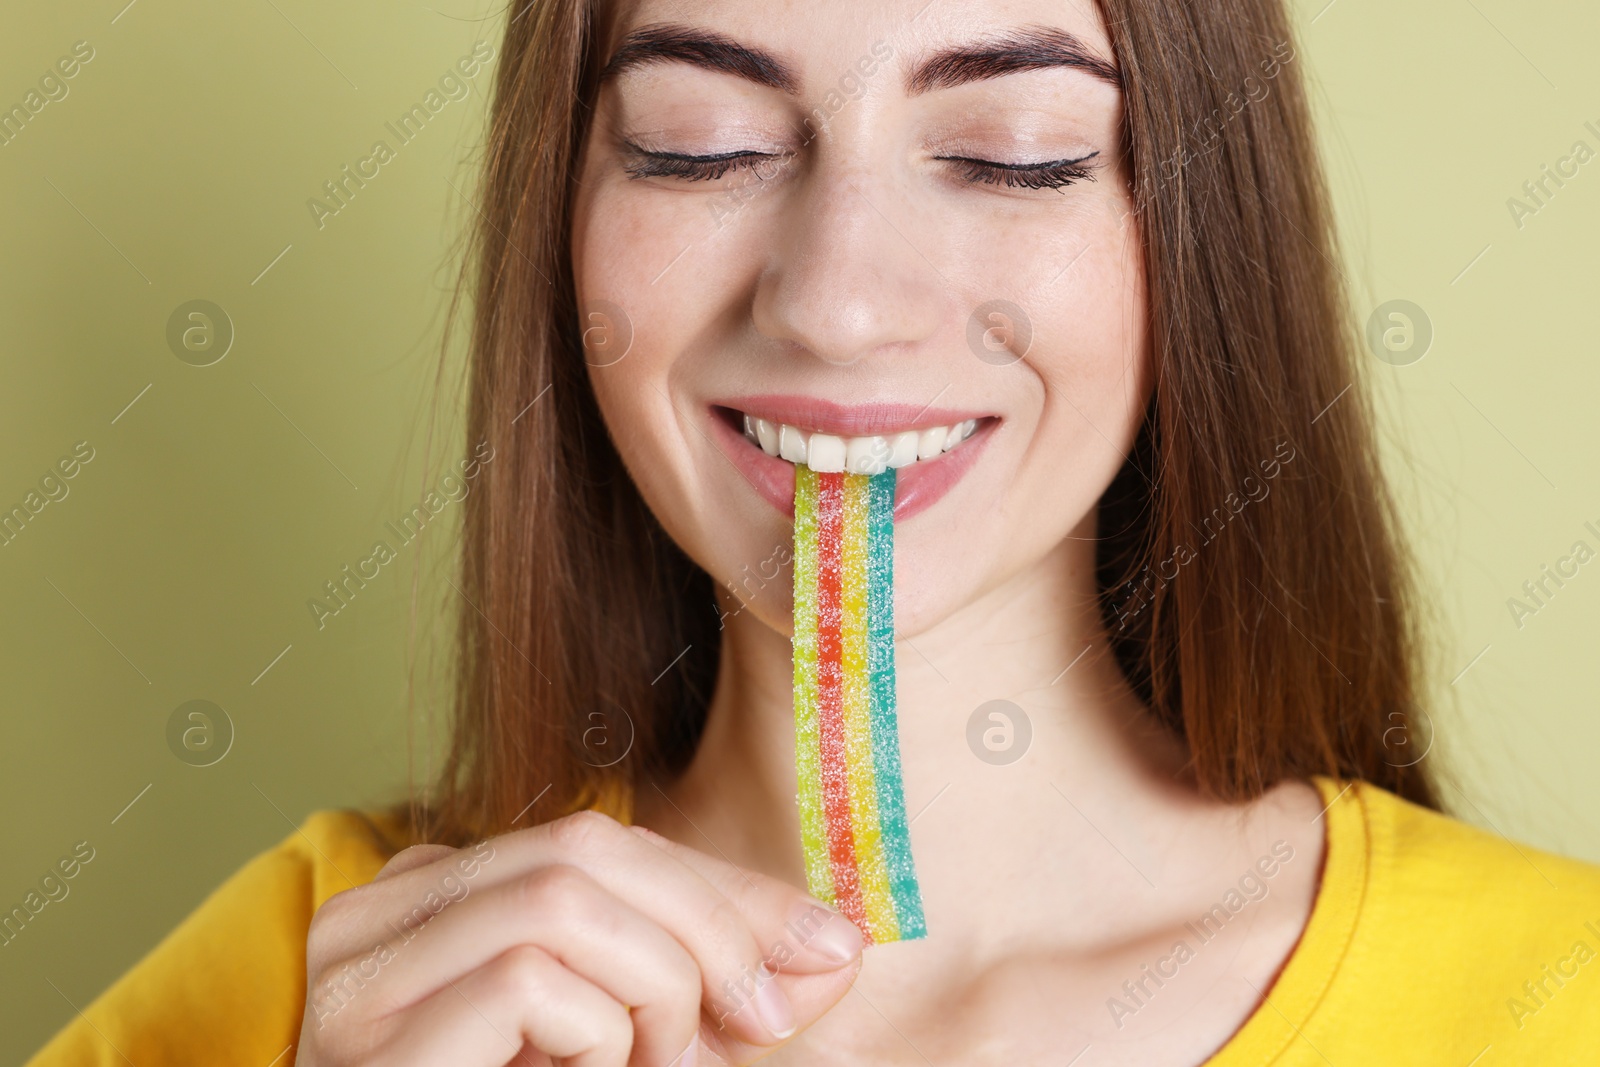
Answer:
(178, 168)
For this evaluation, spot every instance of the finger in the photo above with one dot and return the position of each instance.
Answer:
(736, 987)
(803, 945)
(567, 914)
(415, 885)
(409, 859)
(521, 995)
(801, 934)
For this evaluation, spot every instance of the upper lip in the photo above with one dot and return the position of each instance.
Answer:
(874, 418)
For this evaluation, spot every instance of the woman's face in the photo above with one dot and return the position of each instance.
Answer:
(861, 220)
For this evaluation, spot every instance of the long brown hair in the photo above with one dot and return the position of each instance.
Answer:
(1275, 637)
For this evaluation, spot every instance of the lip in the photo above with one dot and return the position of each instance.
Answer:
(917, 487)
(816, 415)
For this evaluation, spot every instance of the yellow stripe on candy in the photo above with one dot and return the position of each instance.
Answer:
(851, 797)
(876, 893)
(808, 756)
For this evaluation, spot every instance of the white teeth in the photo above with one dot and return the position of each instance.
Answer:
(791, 444)
(825, 453)
(866, 455)
(767, 436)
(958, 433)
(829, 453)
(903, 450)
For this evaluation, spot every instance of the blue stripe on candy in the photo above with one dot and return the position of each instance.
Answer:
(896, 833)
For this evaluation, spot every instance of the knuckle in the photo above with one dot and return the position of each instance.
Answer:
(583, 830)
(560, 890)
(619, 1043)
(335, 915)
(325, 979)
(685, 989)
(413, 856)
(340, 985)
(610, 1033)
(523, 972)
(723, 918)
(526, 974)
(673, 980)
(686, 978)
(727, 932)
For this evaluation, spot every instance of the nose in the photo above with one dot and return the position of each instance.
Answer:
(844, 279)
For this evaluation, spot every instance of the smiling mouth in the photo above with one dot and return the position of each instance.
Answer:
(930, 450)
(828, 453)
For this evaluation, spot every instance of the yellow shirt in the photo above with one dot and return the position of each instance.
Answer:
(1430, 942)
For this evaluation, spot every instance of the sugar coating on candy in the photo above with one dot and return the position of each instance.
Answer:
(847, 753)
(896, 831)
(832, 740)
(808, 763)
(860, 761)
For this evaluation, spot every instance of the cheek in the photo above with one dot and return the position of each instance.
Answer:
(1097, 377)
(1076, 399)
(653, 268)
(1096, 384)
(656, 263)
(1070, 275)
(620, 250)
(1086, 377)
(632, 316)
(667, 256)
(1093, 339)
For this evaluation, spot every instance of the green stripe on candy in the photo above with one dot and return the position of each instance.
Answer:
(896, 832)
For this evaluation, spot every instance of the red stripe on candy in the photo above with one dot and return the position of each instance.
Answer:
(830, 702)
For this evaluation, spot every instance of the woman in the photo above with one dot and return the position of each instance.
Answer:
(1085, 252)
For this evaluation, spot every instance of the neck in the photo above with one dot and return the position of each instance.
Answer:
(1095, 764)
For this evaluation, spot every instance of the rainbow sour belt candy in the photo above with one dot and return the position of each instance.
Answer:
(852, 805)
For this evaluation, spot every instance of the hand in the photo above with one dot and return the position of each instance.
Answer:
(580, 940)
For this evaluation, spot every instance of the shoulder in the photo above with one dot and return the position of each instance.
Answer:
(1429, 869)
(228, 984)
(1468, 936)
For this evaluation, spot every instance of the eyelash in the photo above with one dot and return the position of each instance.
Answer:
(690, 168)
(1056, 174)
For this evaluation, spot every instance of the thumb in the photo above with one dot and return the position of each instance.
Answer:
(810, 951)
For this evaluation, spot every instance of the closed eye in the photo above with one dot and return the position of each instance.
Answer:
(647, 164)
(1051, 174)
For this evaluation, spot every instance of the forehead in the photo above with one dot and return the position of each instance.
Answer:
(800, 46)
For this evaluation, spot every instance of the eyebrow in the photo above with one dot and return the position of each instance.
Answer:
(700, 48)
(1029, 48)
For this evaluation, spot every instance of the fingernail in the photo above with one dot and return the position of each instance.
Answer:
(774, 1009)
(689, 1056)
(826, 932)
